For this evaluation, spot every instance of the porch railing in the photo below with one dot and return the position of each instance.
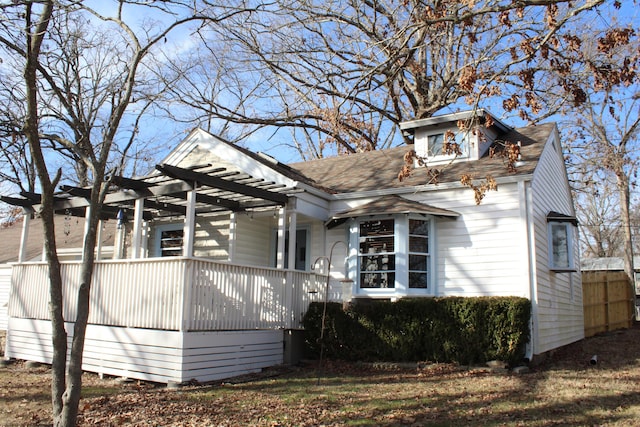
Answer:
(179, 293)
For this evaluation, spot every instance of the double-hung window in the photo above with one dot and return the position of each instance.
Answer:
(394, 253)
(377, 254)
(435, 143)
(170, 240)
(418, 253)
(560, 230)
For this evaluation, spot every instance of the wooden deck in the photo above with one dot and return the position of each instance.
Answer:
(166, 320)
(181, 294)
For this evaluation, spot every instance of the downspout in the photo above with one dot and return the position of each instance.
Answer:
(526, 195)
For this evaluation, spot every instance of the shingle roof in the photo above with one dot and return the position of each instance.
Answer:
(69, 234)
(379, 169)
(392, 204)
(395, 205)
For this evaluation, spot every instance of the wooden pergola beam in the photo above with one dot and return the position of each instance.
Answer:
(219, 201)
(130, 184)
(188, 175)
(162, 206)
(15, 201)
(37, 198)
(85, 193)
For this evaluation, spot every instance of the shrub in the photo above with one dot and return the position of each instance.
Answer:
(452, 329)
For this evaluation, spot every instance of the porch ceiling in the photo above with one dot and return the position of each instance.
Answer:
(218, 190)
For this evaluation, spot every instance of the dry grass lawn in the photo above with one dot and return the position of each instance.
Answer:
(565, 390)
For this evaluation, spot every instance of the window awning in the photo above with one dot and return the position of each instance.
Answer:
(390, 205)
(554, 216)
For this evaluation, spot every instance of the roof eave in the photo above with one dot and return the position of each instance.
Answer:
(453, 117)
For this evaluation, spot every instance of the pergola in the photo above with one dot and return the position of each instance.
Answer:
(203, 190)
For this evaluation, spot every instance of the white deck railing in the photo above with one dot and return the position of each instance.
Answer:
(185, 294)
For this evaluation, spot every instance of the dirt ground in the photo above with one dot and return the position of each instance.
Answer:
(564, 389)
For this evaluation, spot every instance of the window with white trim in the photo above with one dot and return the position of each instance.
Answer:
(169, 240)
(394, 254)
(418, 253)
(436, 142)
(376, 254)
(561, 246)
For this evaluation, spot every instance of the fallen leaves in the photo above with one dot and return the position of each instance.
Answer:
(565, 390)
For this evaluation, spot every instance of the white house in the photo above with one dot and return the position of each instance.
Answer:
(220, 251)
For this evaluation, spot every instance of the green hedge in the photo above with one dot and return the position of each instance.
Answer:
(452, 329)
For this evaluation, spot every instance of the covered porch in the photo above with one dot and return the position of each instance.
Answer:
(178, 312)
(167, 320)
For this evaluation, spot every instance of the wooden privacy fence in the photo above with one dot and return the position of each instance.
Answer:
(608, 301)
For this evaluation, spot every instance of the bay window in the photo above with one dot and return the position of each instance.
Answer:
(418, 253)
(377, 254)
(393, 253)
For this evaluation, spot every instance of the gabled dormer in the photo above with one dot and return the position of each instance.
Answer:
(472, 131)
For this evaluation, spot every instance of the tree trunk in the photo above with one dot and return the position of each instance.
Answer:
(35, 37)
(72, 394)
(623, 188)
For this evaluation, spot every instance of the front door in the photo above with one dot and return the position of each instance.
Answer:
(302, 250)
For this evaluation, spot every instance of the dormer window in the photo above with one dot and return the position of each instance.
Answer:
(474, 139)
(436, 142)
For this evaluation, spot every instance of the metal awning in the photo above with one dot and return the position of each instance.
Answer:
(218, 190)
(390, 205)
(554, 216)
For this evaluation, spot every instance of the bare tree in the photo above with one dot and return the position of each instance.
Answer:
(16, 167)
(607, 139)
(80, 97)
(597, 207)
(340, 75)
(595, 86)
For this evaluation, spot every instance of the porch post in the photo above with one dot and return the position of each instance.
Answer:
(87, 215)
(282, 227)
(99, 242)
(233, 227)
(26, 222)
(144, 242)
(137, 228)
(121, 233)
(189, 223)
(293, 225)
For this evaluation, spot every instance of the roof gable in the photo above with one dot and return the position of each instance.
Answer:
(202, 148)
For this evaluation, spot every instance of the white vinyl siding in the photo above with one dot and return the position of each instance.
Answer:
(160, 356)
(481, 252)
(559, 294)
(253, 240)
(5, 287)
(212, 238)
